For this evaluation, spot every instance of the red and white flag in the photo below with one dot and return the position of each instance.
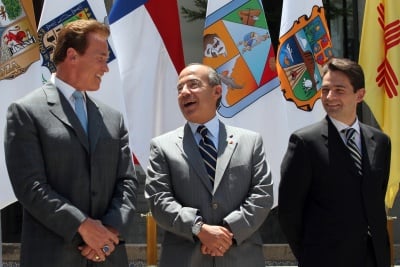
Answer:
(148, 47)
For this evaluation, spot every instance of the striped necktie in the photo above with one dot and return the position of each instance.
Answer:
(208, 152)
(80, 109)
(353, 148)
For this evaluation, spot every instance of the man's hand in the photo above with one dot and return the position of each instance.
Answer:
(96, 236)
(91, 254)
(216, 240)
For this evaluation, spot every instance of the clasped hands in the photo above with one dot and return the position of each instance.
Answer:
(215, 240)
(100, 240)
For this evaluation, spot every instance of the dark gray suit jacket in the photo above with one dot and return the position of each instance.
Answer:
(325, 207)
(177, 188)
(61, 177)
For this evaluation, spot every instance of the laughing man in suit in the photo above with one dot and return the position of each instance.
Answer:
(331, 206)
(77, 186)
(209, 220)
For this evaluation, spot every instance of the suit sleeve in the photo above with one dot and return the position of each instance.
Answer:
(387, 162)
(255, 207)
(293, 189)
(123, 203)
(166, 209)
(26, 168)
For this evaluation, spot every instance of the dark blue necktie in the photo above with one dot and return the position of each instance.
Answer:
(80, 109)
(353, 148)
(208, 152)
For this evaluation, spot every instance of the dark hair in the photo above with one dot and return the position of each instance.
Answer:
(74, 35)
(351, 69)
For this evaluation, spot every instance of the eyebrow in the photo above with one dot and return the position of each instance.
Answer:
(333, 85)
(188, 81)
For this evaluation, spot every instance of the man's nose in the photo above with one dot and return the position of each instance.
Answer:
(105, 67)
(330, 94)
(185, 90)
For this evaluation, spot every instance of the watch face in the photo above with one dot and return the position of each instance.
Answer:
(196, 228)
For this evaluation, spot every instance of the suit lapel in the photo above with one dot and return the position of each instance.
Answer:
(227, 143)
(368, 148)
(61, 109)
(189, 148)
(324, 130)
(95, 121)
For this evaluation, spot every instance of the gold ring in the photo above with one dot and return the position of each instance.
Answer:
(97, 258)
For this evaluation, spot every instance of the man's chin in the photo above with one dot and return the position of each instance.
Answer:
(331, 110)
(94, 88)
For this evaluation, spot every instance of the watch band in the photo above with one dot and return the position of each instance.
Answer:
(197, 224)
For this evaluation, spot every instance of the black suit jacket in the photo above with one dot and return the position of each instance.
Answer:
(325, 208)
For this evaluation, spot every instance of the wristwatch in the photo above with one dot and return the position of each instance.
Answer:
(197, 224)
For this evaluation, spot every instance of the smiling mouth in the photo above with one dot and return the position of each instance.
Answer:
(332, 105)
(188, 104)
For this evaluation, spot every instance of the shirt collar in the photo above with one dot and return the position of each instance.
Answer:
(341, 126)
(66, 89)
(212, 126)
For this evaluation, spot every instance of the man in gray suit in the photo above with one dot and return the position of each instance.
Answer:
(211, 214)
(75, 181)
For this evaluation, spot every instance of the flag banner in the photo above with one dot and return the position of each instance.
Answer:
(19, 46)
(148, 46)
(19, 69)
(305, 46)
(1, 242)
(55, 15)
(379, 57)
(237, 43)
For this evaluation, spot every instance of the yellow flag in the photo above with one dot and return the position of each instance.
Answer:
(380, 59)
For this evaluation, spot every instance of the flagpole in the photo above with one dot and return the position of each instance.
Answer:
(1, 242)
(390, 220)
(151, 239)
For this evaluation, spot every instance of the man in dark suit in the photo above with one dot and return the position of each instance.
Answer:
(211, 213)
(76, 181)
(331, 196)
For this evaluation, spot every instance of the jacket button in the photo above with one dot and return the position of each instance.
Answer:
(215, 206)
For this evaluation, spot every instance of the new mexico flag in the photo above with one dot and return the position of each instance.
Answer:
(380, 59)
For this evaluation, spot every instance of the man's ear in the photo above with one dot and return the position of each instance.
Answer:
(360, 95)
(218, 90)
(71, 54)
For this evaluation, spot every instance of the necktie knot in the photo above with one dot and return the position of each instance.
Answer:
(349, 133)
(202, 130)
(77, 94)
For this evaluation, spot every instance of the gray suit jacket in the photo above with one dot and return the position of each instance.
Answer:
(61, 177)
(177, 188)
